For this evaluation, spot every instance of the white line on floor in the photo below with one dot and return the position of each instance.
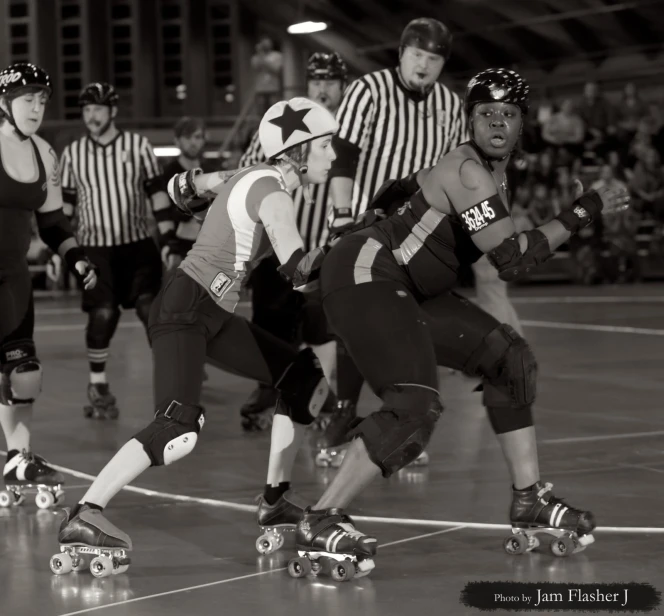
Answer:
(243, 577)
(643, 467)
(361, 518)
(605, 437)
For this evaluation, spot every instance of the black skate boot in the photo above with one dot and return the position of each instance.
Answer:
(327, 413)
(27, 472)
(331, 447)
(258, 410)
(89, 532)
(328, 543)
(102, 402)
(275, 520)
(538, 511)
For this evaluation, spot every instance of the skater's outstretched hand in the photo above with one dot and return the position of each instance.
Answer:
(614, 200)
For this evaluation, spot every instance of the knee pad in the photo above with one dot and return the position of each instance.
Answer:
(102, 322)
(143, 305)
(173, 433)
(400, 431)
(508, 367)
(20, 373)
(303, 389)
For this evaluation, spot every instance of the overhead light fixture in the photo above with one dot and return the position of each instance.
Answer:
(307, 27)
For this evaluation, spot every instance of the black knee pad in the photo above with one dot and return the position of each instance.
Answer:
(102, 321)
(508, 419)
(20, 373)
(142, 306)
(173, 433)
(303, 389)
(400, 431)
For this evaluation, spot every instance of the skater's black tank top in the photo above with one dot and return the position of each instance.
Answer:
(18, 200)
(428, 244)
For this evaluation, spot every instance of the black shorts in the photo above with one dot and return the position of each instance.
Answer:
(126, 272)
(17, 310)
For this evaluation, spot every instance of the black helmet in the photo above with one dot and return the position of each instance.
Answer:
(98, 93)
(497, 85)
(22, 75)
(428, 34)
(326, 66)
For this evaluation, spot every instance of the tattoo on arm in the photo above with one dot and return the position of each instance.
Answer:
(272, 237)
(55, 174)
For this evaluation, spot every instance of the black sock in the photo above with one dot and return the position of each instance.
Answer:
(272, 494)
(78, 506)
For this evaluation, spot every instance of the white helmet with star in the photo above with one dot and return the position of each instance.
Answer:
(293, 122)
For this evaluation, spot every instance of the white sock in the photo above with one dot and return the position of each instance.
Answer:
(98, 377)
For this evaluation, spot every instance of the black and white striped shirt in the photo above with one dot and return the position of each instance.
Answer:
(396, 133)
(109, 185)
(311, 217)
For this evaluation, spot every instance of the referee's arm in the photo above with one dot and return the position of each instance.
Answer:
(353, 116)
(154, 186)
(254, 153)
(68, 182)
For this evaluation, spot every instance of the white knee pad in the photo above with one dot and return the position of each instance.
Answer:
(179, 447)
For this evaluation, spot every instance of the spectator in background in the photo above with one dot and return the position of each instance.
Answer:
(598, 117)
(544, 171)
(267, 64)
(647, 185)
(628, 113)
(565, 131)
(541, 209)
(641, 143)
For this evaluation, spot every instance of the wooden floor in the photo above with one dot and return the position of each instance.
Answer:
(601, 442)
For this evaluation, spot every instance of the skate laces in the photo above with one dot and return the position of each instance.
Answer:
(352, 532)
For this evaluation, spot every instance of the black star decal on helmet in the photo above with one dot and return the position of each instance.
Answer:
(290, 121)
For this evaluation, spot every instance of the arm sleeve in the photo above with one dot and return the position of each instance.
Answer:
(150, 168)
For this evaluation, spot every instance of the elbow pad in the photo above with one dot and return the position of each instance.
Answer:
(511, 263)
(54, 228)
(182, 191)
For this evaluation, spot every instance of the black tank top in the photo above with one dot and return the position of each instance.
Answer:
(18, 200)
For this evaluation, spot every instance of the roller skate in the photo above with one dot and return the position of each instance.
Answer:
(538, 511)
(278, 519)
(88, 533)
(102, 402)
(258, 410)
(328, 543)
(27, 472)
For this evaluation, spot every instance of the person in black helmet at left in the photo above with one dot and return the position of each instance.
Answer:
(29, 183)
(387, 293)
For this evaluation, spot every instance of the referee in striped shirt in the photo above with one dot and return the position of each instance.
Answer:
(392, 123)
(108, 176)
(276, 307)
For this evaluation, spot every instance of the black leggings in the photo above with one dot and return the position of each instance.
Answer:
(17, 309)
(186, 326)
(394, 339)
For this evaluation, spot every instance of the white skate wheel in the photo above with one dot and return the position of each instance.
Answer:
(79, 564)
(59, 497)
(120, 569)
(322, 461)
(101, 566)
(265, 545)
(61, 563)
(6, 498)
(45, 500)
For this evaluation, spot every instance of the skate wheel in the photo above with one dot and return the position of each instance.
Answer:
(112, 413)
(421, 460)
(120, 569)
(516, 544)
(265, 545)
(59, 497)
(562, 546)
(101, 566)
(322, 461)
(79, 564)
(344, 571)
(7, 498)
(45, 500)
(299, 567)
(61, 563)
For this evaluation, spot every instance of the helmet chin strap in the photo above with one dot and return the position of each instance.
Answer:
(9, 116)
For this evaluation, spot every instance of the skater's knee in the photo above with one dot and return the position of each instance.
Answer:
(302, 388)
(102, 321)
(399, 432)
(508, 366)
(173, 433)
(143, 305)
(20, 373)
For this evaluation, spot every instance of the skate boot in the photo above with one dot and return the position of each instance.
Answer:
(326, 415)
(278, 519)
(27, 472)
(331, 447)
(102, 402)
(328, 543)
(258, 410)
(538, 511)
(88, 532)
